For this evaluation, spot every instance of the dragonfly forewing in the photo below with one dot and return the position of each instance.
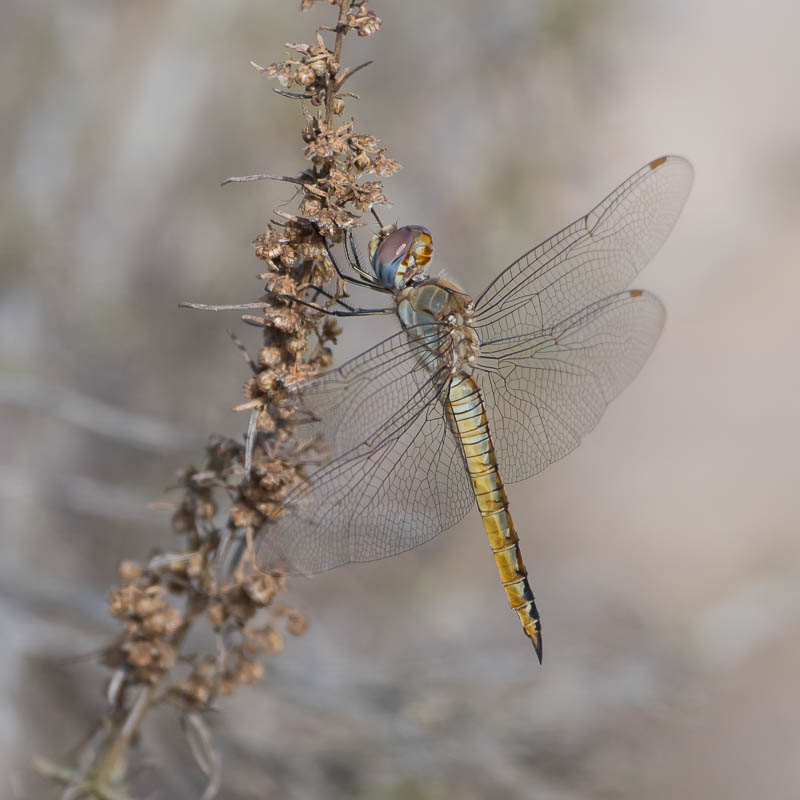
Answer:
(597, 255)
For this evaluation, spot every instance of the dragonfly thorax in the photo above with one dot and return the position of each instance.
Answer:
(399, 257)
(425, 306)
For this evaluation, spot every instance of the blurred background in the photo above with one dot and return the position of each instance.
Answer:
(665, 551)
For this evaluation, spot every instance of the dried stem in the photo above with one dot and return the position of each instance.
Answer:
(213, 578)
(341, 32)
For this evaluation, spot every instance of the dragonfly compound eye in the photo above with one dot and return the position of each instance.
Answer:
(400, 254)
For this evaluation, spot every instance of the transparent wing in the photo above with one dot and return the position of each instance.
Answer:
(545, 390)
(395, 478)
(553, 353)
(595, 256)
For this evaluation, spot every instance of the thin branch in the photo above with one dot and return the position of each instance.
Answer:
(95, 416)
(243, 350)
(256, 322)
(233, 307)
(292, 95)
(348, 73)
(250, 442)
(75, 493)
(264, 176)
(247, 405)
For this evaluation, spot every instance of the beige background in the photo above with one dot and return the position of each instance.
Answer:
(665, 550)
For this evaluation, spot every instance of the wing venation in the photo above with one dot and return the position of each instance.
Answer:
(394, 477)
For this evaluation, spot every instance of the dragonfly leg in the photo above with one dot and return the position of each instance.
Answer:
(354, 258)
(352, 312)
(366, 280)
(318, 290)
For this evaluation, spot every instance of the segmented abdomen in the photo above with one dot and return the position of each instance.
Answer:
(468, 417)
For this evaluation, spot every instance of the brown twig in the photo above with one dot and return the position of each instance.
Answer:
(348, 73)
(263, 177)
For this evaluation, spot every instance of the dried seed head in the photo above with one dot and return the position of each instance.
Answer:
(130, 570)
(250, 671)
(121, 601)
(282, 71)
(365, 22)
(296, 346)
(150, 658)
(262, 640)
(239, 606)
(361, 162)
(206, 507)
(296, 622)
(244, 516)
(304, 75)
(310, 207)
(164, 622)
(183, 521)
(286, 320)
(324, 357)
(149, 600)
(265, 422)
(384, 166)
(330, 330)
(139, 653)
(268, 245)
(261, 588)
(267, 381)
(334, 219)
(250, 389)
(269, 356)
(195, 565)
(217, 614)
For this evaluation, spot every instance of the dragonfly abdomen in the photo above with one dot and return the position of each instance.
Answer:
(468, 418)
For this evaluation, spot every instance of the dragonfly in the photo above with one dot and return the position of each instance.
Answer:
(474, 394)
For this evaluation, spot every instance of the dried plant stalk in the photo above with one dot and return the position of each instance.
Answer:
(210, 579)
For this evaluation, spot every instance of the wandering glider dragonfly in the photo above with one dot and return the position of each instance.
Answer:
(421, 427)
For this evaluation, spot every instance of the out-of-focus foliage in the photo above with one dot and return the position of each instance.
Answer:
(666, 546)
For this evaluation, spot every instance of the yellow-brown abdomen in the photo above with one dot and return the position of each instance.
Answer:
(468, 417)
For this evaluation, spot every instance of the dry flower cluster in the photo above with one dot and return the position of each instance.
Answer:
(211, 576)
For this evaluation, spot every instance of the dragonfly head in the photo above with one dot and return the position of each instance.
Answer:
(398, 255)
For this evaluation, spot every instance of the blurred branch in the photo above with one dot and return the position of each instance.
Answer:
(75, 493)
(137, 430)
(743, 622)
